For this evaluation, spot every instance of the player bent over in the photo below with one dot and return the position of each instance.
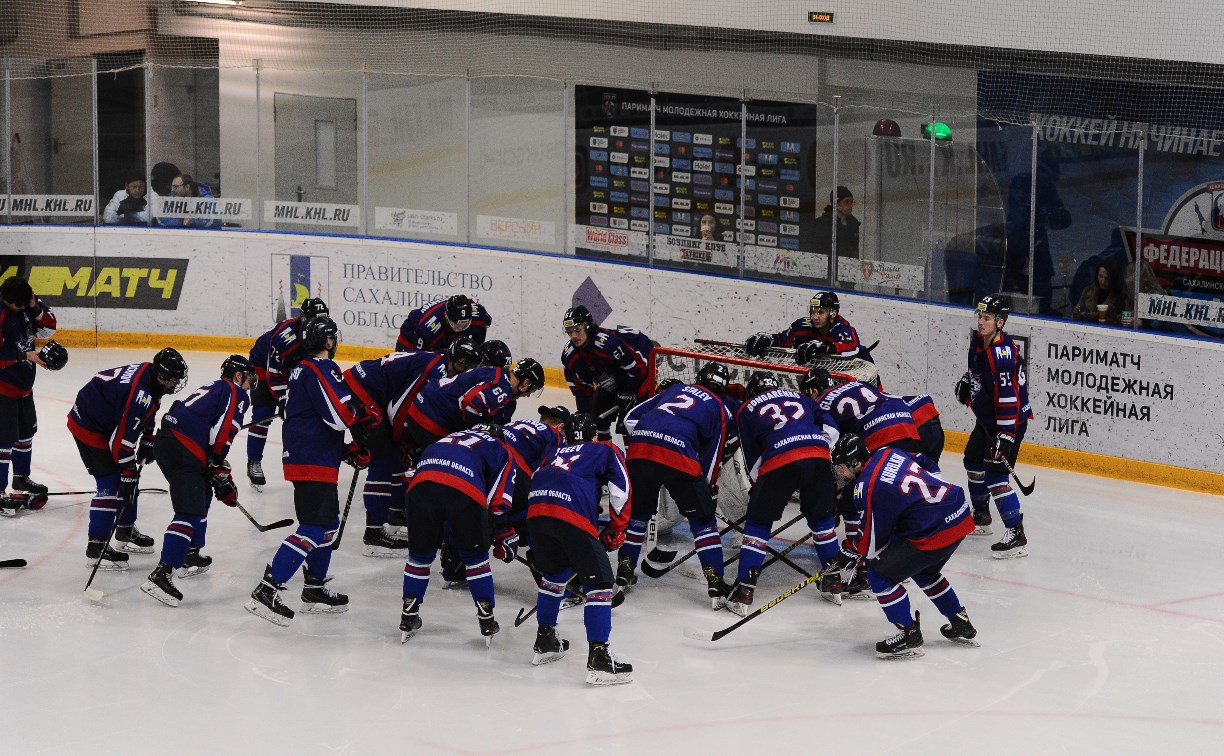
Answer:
(563, 508)
(784, 452)
(913, 522)
(996, 389)
(110, 415)
(678, 438)
(462, 489)
(195, 438)
(318, 410)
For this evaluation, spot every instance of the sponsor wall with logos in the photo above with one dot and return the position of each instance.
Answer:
(1106, 391)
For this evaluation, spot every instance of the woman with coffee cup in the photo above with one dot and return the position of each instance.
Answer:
(1107, 300)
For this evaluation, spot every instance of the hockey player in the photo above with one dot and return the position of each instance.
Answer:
(606, 368)
(914, 520)
(23, 317)
(496, 354)
(436, 326)
(112, 422)
(274, 355)
(191, 448)
(318, 410)
(823, 332)
(563, 509)
(677, 441)
(996, 389)
(463, 484)
(784, 452)
(454, 404)
(531, 444)
(390, 383)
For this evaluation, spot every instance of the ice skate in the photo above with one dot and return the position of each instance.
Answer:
(410, 618)
(716, 588)
(255, 474)
(1013, 544)
(548, 647)
(194, 563)
(831, 587)
(454, 571)
(626, 578)
(266, 601)
(376, 542)
(317, 598)
(906, 644)
(858, 588)
(741, 595)
(397, 523)
(981, 522)
(603, 668)
(23, 483)
(488, 625)
(161, 587)
(961, 630)
(112, 560)
(131, 540)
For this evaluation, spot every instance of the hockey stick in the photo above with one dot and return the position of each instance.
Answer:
(81, 493)
(94, 594)
(344, 517)
(784, 350)
(703, 635)
(525, 614)
(777, 555)
(12, 563)
(264, 528)
(655, 572)
(1026, 490)
(774, 534)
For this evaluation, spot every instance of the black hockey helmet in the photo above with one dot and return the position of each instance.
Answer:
(463, 351)
(999, 305)
(578, 316)
(580, 427)
(665, 384)
(314, 308)
(236, 363)
(825, 299)
(317, 332)
(760, 382)
(848, 450)
(816, 379)
(491, 429)
(170, 370)
(529, 370)
(459, 310)
(53, 355)
(714, 376)
(495, 353)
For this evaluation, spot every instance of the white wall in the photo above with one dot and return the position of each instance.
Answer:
(1076, 373)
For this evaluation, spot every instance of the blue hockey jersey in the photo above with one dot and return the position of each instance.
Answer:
(999, 386)
(276, 352)
(570, 486)
(473, 463)
(777, 428)
(688, 428)
(842, 336)
(317, 411)
(114, 409)
(900, 498)
(617, 359)
(922, 408)
(426, 328)
(531, 443)
(17, 333)
(206, 421)
(855, 407)
(451, 404)
(392, 382)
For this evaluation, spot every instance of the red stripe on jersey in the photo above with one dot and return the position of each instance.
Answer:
(86, 436)
(944, 537)
(350, 380)
(397, 422)
(426, 422)
(885, 436)
(455, 482)
(794, 455)
(347, 416)
(924, 414)
(664, 456)
(315, 473)
(116, 446)
(227, 432)
(189, 445)
(865, 535)
(556, 511)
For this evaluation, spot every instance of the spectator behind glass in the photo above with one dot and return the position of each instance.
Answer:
(184, 186)
(129, 206)
(841, 210)
(1107, 300)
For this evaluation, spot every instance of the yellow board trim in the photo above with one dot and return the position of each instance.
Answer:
(1032, 454)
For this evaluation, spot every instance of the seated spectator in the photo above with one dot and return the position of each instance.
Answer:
(1107, 300)
(129, 206)
(183, 185)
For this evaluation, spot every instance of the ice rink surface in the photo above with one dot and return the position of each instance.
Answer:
(1106, 639)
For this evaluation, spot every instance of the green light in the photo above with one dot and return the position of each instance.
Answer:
(942, 132)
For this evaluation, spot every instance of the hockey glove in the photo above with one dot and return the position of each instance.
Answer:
(505, 544)
(356, 455)
(758, 344)
(129, 479)
(221, 478)
(964, 389)
(810, 350)
(1004, 442)
(612, 537)
(144, 453)
(368, 416)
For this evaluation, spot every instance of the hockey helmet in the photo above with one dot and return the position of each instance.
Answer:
(170, 370)
(459, 311)
(314, 308)
(760, 382)
(531, 371)
(490, 429)
(714, 376)
(665, 384)
(816, 379)
(317, 332)
(579, 427)
(996, 304)
(463, 351)
(53, 355)
(825, 299)
(236, 363)
(577, 316)
(848, 450)
(495, 353)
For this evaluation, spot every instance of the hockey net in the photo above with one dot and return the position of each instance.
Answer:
(683, 364)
